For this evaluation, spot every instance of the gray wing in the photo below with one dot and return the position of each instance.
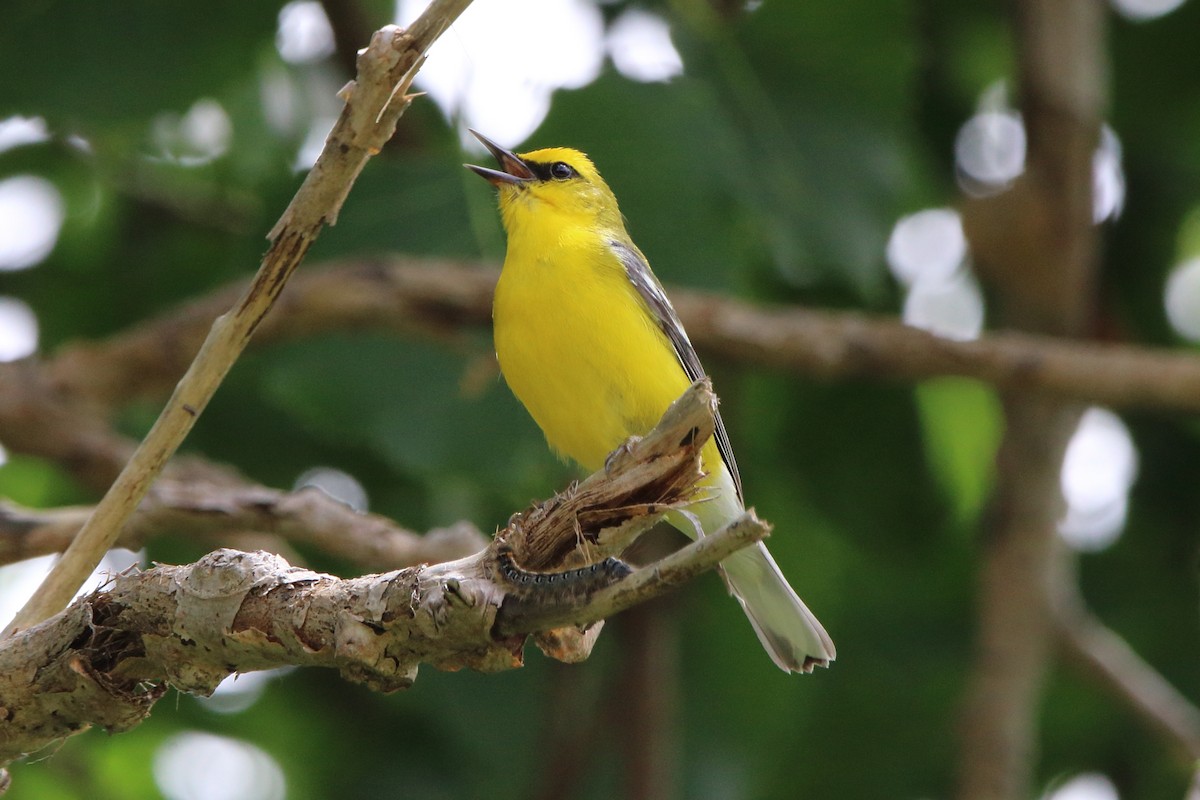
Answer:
(656, 301)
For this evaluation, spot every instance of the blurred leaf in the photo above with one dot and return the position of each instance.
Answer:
(821, 100)
(667, 153)
(405, 402)
(962, 422)
(37, 483)
(850, 451)
(410, 203)
(88, 62)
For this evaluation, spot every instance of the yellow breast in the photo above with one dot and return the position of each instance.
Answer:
(578, 348)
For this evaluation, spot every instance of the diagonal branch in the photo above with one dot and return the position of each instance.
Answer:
(1109, 659)
(385, 70)
(672, 571)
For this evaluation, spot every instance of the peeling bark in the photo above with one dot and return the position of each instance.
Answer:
(106, 659)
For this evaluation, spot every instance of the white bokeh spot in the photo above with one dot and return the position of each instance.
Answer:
(18, 329)
(31, 215)
(927, 253)
(19, 581)
(1143, 10)
(198, 137)
(482, 76)
(639, 43)
(314, 142)
(1099, 469)
(304, 34)
(240, 691)
(1181, 297)
(339, 485)
(951, 308)
(1086, 786)
(990, 150)
(1108, 177)
(202, 766)
(19, 131)
(927, 245)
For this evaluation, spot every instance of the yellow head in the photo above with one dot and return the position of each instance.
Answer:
(555, 181)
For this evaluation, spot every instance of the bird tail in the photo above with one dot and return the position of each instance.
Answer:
(789, 632)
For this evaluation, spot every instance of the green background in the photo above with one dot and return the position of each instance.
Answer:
(773, 169)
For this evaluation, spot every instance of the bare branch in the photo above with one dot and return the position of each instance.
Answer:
(648, 690)
(1109, 659)
(439, 298)
(1035, 244)
(109, 657)
(426, 296)
(385, 70)
(521, 615)
(205, 512)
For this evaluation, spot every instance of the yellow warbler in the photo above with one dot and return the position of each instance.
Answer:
(589, 343)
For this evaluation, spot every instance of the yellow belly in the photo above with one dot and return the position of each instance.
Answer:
(580, 351)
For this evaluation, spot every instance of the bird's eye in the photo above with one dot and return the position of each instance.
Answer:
(561, 171)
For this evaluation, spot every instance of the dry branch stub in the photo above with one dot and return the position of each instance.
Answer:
(599, 518)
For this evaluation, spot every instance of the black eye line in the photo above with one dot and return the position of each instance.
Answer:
(545, 171)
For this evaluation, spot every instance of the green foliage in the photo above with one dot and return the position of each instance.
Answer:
(962, 425)
(775, 168)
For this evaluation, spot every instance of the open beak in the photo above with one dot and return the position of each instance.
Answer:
(514, 169)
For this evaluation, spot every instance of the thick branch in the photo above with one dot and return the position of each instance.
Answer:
(108, 658)
(1036, 246)
(111, 655)
(1021, 560)
(439, 298)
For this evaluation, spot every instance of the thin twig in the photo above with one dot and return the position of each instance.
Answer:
(650, 581)
(387, 62)
(1109, 659)
(198, 511)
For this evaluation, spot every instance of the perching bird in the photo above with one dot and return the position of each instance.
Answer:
(589, 343)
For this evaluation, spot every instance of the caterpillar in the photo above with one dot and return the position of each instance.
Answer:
(558, 586)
